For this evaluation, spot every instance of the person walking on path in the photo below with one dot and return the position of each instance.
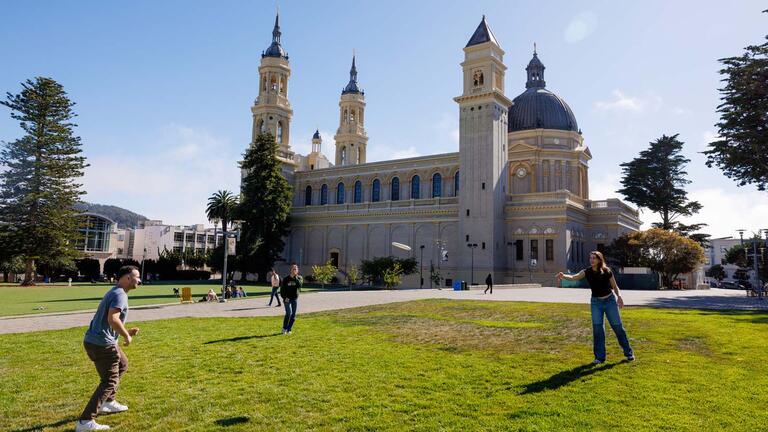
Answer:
(488, 284)
(275, 281)
(101, 345)
(606, 301)
(289, 291)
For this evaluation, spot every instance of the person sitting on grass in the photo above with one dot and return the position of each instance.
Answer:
(228, 293)
(212, 297)
(241, 292)
(606, 301)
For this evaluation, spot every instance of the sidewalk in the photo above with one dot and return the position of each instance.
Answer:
(329, 300)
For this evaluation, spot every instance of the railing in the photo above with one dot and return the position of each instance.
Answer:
(366, 206)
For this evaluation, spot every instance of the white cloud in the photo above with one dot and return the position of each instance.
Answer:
(726, 212)
(407, 153)
(707, 137)
(605, 187)
(172, 183)
(580, 27)
(623, 102)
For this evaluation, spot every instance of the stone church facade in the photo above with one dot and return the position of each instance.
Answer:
(513, 201)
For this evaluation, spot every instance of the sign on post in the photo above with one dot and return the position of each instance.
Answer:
(231, 246)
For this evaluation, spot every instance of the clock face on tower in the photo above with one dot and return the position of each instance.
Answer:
(521, 172)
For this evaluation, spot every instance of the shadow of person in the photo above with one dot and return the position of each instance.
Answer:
(231, 421)
(241, 338)
(47, 426)
(565, 377)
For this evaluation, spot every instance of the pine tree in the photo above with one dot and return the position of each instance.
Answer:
(655, 180)
(39, 189)
(265, 207)
(742, 149)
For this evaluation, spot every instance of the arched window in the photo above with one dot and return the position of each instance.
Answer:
(308, 196)
(394, 194)
(456, 184)
(352, 116)
(260, 126)
(358, 192)
(437, 185)
(346, 115)
(415, 187)
(324, 195)
(340, 193)
(279, 132)
(343, 155)
(376, 191)
(274, 83)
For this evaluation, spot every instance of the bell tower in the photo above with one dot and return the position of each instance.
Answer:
(483, 110)
(351, 139)
(271, 110)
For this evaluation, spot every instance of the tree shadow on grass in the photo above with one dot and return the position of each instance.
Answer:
(46, 426)
(566, 377)
(241, 338)
(231, 421)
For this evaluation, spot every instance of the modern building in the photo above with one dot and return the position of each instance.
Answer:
(513, 201)
(715, 254)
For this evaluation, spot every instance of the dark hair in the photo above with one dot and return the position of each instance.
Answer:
(124, 270)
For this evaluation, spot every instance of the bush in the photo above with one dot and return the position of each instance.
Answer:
(373, 270)
(191, 275)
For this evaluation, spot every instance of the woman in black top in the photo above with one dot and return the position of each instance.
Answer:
(604, 303)
(289, 291)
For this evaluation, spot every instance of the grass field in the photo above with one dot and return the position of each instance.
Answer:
(427, 365)
(19, 300)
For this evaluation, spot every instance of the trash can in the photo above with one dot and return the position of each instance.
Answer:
(457, 285)
(464, 286)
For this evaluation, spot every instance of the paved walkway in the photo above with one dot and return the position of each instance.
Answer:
(330, 300)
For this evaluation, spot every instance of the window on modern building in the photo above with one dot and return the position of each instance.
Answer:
(340, 193)
(210, 239)
(483, 186)
(376, 191)
(119, 251)
(415, 187)
(190, 238)
(201, 238)
(483, 245)
(178, 237)
(456, 184)
(308, 196)
(177, 248)
(324, 194)
(550, 245)
(518, 250)
(467, 212)
(358, 192)
(535, 249)
(467, 237)
(437, 185)
(395, 189)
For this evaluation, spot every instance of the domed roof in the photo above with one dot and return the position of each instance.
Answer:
(539, 108)
(275, 49)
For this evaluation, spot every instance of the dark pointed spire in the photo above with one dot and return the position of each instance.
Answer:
(275, 49)
(535, 70)
(352, 84)
(482, 34)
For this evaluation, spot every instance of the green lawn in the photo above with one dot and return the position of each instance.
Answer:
(427, 365)
(19, 300)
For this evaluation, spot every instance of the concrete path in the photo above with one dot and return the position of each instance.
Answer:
(330, 300)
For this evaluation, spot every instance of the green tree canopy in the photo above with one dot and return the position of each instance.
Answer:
(716, 272)
(741, 151)
(39, 188)
(265, 207)
(668, 253)
(373, 270)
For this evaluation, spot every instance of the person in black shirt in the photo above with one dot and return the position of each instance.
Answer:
(289, 291)
(488, 284)
(604, 303)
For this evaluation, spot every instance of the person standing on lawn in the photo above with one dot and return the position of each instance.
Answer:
(101, 345)
(275, 282)
(289, 291)
(606, 301)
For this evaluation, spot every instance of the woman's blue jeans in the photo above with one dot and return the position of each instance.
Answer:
(609, 308)
(290, 313)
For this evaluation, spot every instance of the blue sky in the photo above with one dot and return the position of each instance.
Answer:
(164, 89)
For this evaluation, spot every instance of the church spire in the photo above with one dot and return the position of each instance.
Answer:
(535, 70)
(352, 86)
(482, 35)
(275, 49)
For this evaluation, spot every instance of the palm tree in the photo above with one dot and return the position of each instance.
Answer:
(221, 206)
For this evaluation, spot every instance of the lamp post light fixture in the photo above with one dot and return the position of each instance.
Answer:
(421, 267)
(227, 235)
(472, 247)
(741, 235)
(143, 258)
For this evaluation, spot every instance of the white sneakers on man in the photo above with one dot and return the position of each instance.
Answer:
(89, 425)
(113, 407)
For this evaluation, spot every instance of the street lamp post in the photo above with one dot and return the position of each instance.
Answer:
(472, 247)
(143, 258)
(421, 267)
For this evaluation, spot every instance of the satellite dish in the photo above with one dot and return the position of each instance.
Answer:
(401, 246)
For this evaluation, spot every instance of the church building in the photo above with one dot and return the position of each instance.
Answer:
(513, 201)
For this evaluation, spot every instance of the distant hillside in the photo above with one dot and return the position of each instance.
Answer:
(124, 218)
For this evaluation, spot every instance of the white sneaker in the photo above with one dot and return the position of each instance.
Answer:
(89, 425)
(113, 407)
